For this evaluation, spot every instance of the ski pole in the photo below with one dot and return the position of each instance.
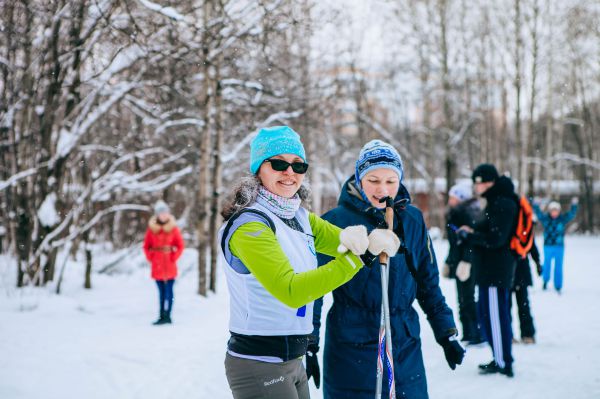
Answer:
(384, 350)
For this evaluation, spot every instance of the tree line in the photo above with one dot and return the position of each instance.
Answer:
(106, 106)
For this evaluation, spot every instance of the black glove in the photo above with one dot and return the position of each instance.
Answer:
(453, 351)
(368, 259)
(538, 268)
(312, 365)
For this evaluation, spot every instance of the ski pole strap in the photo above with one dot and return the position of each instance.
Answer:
(384, 356)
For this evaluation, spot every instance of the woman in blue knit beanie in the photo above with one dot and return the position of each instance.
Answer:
(270, 244)
(351, 336)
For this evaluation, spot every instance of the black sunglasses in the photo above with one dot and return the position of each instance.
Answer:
(280, 166)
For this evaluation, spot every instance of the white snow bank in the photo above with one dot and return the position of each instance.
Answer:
(100, 343)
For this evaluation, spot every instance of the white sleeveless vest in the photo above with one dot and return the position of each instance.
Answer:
(253, 310)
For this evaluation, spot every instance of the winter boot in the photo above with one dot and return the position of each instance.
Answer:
(493, 368)
(477, 340)
(167, 318)
(161, 319)
(545, 285)
(487, 365)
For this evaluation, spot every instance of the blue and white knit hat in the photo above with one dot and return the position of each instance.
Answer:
(378, 154)
(271, 141)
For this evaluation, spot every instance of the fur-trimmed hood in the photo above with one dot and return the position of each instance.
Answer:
(167, 227)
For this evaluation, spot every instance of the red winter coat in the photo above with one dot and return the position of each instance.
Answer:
(163, 245)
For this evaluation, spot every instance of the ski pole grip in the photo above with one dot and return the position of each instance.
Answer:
(389, 219)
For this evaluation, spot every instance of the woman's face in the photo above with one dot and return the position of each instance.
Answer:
(163, 217)
(380, 183)
(286, 183)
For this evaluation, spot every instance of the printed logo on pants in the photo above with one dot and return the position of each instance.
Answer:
(274, 381)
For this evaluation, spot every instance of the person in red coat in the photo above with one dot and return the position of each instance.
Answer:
(163, 245)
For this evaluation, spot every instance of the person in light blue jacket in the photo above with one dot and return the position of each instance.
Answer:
(555, 224)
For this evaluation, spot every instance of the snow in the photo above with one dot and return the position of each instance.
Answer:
(100, 343)
(166, 11)
(47, 212)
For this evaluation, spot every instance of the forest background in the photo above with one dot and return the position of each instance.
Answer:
(108, 105)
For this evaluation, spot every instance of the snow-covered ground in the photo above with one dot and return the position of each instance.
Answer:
(100, 343)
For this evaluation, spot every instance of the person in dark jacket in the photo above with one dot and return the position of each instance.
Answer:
(351, 337)
(463, 210)
(522, 281)
(555, 226)
(494, 263)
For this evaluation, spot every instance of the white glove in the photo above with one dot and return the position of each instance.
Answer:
(445, 271)
(463, 271)
(383, 240)
(354, 239)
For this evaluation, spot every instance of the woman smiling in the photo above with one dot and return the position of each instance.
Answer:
(270, 244)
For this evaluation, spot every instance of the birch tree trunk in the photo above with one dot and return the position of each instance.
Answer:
(520, 134)
(526, 176)
(202, 198)
(550, 136)
(216, 177)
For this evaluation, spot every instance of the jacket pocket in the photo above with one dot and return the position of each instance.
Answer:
(354, 326)
(412, 327)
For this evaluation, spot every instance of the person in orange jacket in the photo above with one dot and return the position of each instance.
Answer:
(163, 245)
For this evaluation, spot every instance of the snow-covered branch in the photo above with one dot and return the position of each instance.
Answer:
(179, 122)
(168, 12)
(21, 175)
(564, 156)
(74, 233)
(69, 138)
(456, 138)
(119, 179)
(279, 116)
(390, 138)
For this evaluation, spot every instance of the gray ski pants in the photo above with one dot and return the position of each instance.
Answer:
(251, 379)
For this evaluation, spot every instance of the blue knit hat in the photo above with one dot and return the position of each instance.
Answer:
(271, 141)
(377, 154)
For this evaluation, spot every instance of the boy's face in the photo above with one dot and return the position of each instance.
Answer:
(453, 201)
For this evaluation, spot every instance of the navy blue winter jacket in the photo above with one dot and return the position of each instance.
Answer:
(554, 229)
(351, 338)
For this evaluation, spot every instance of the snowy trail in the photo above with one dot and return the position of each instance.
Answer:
(100, 343)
